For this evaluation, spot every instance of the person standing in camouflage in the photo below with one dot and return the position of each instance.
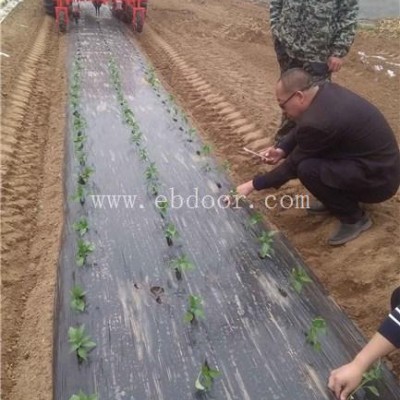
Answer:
(314, 35)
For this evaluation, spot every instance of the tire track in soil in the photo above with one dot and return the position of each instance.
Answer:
(217, 116)
(32, 144)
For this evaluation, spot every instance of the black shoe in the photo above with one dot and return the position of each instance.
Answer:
(346, 232)
(317, 208)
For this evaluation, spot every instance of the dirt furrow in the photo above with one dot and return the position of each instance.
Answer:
(33, 119)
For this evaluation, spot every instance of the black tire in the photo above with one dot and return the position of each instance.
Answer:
(49, 7)
(139, 22)
(62, 26)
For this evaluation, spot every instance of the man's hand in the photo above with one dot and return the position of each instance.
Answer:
(345, 379)
(335, 63)
(245, 188)
(272, 155)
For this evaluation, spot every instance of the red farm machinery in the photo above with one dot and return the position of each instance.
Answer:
(130, 11)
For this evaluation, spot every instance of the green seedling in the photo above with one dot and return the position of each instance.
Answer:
(136, 137)
(195, 309)
(317, 329)
(79, 124)
(81, 226)
(74, 94)
(171, 233)
(82, 396)
(373, 374)
(256, 218)
(151, 172)
(206, 150)
(180, 265)
(143, 155)
(129, 118)
(266, 240)
(84, 175)
(154, 188)
(81, 157)
(206, 377)
(75, 87)
(163, 206)
(79, 195)
(171, 98)
(74, 99)
(151, 77)
(80, 342)
(78, 299)
(299, 278)
(79, 141)
(84, 249)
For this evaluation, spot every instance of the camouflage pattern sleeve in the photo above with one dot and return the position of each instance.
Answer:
(275, 8)
(346, 25)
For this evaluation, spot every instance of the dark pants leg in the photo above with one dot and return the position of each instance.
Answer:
(319, 72)
(343, 204)
(395, 299)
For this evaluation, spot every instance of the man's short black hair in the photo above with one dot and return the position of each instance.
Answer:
(295, 79)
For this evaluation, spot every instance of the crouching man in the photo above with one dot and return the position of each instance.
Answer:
(342, 150)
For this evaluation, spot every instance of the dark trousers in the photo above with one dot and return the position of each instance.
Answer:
(343, 203)
(319, 72)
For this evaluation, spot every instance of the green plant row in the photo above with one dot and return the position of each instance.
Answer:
(80, 342)
(182, 263)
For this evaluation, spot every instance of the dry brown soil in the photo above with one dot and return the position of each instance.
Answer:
(217, 58)
(33, 94)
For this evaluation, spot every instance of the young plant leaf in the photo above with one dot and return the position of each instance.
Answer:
(256, 218)
(182, 264)
(171, 233)
(84, 249)
(80, 194)
(80, 342)
(317, 329)
(78, 299)
(373, 374)
(143, 155)
(82, 396)
(84, 175)
(162, 207)
(151, 172)
(266, 240)
(206, 377)
(299, 278)
(81, 226)
(195, 309)
(206, 150)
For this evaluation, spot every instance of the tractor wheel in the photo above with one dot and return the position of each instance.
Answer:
(62, 26)
(139, 22)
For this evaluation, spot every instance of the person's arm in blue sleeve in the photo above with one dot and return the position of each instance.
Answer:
(345, 379)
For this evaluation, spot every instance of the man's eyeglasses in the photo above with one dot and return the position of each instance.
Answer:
(282, 105)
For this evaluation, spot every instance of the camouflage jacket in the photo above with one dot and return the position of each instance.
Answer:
(313, 30)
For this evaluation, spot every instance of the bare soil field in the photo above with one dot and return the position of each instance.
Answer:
(33, 96)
